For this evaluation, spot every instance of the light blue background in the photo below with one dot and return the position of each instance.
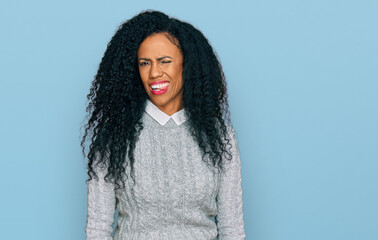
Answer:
(302, 78)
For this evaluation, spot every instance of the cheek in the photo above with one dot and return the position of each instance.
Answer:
(176, 72)
(179, 77)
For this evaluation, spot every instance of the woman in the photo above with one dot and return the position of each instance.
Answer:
(163, 150)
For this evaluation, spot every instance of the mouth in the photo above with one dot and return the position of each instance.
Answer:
(159, 87)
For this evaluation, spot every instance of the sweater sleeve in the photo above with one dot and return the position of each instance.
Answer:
(101, 208)
(229, 217)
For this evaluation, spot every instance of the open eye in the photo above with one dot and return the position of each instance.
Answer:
(143, 63)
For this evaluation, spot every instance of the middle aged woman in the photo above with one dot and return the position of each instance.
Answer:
(159, 114)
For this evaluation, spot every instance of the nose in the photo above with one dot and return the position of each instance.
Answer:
(155, 71)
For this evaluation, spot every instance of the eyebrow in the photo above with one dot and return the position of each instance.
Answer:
(160, 58)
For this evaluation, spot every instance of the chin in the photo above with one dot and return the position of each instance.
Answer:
(159, 100)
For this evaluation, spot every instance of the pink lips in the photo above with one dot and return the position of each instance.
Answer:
(161, 91)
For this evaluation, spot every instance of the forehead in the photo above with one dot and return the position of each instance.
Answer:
(157, 44)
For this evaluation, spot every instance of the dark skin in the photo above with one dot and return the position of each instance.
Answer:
(160, 60)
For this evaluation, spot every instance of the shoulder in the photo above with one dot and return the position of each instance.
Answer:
(230, 136)
(231, 133)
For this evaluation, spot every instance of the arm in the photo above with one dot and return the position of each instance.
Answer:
(229, 217)
(101, 208)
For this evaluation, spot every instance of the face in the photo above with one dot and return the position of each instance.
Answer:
(160, 68)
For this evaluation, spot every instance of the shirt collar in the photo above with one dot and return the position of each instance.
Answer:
(161, 117)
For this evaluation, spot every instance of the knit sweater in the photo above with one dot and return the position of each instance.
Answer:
(176, 193)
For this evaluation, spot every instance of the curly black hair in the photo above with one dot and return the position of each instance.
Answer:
(117, 98)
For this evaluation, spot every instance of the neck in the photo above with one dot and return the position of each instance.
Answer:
(171, 109)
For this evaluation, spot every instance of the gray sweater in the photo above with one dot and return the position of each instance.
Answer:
(176, 194)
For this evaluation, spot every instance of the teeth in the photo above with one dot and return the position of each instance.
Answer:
(157, 86)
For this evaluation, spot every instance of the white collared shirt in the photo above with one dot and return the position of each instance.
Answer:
(161, 117)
